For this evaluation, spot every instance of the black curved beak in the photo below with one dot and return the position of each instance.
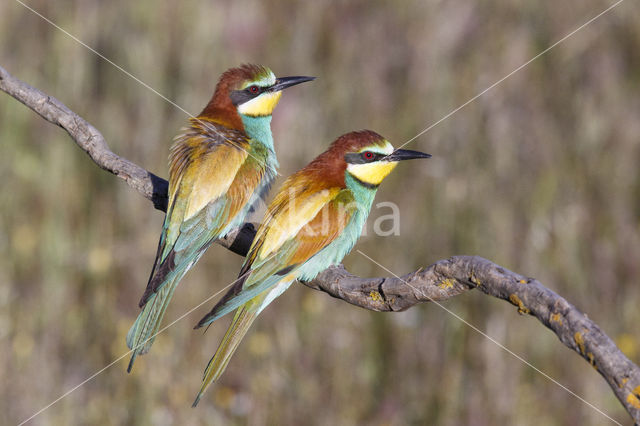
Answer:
(405, 154)
(284, 82)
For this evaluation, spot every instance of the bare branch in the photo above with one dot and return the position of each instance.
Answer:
(448, 278)
(440, 281)
(90, 140)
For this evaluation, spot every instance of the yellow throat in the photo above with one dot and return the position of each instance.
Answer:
(372, 173)
(260, 106)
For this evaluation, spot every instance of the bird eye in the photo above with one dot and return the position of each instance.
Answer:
(254, 89)
(368, 155)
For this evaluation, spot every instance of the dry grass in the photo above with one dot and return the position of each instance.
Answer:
(540, 175)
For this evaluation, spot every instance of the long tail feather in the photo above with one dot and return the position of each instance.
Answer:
(241, 322)
(237, 295)
(143, 332)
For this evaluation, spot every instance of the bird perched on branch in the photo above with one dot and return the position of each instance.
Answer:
(312, 223)
(218, 168)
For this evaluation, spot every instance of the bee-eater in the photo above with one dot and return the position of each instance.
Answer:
(218, 168)
(312, 223)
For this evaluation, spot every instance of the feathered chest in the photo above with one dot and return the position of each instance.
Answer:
(218, 173)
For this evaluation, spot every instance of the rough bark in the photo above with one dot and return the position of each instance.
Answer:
(440, 281)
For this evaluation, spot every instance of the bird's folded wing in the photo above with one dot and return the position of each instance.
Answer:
(201, 202)
(284, 242)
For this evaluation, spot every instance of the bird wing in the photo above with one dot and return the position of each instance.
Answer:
(301, 221)
(202, 197)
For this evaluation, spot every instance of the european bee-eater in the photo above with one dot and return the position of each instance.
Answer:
(312, 223)
(218, 168)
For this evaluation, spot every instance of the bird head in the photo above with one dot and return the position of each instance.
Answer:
(369, 157)
(364, 155)
(249, 90)
(372, 163)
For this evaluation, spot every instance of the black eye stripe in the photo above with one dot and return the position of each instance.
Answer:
(239, 97)
(360, 157)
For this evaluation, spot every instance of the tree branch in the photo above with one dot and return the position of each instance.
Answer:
(440, 281)
(91, 141)
(448, 278)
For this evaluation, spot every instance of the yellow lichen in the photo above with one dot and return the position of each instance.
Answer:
(556, 318)
(447, 283)
(592, 360)
(523, 281)
(579, 341)
(375, 296)
(623, 382)
(475, 280)
(517, 302)
(633, 400)
(637, 390)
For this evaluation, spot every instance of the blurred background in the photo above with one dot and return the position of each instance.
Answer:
(540, 175)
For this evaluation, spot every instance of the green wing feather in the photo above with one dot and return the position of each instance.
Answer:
(266, 263)
(266, 274)
(200, 207)
(239, 326)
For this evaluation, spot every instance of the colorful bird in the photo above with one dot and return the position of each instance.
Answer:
(312, 223)
(218, 168)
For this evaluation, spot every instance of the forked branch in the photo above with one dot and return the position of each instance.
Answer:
(440, 281)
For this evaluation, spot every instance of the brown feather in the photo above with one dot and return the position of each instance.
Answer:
(190, 149)
(325, 172)
(328, 168)
(220, 106)
(325, 227)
